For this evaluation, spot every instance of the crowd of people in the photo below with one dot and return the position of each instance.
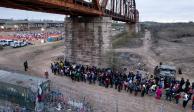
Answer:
(135, 83)
(36, 35)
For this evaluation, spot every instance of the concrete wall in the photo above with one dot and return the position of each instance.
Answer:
(87, 40)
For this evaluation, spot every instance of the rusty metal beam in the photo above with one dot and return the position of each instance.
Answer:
(96, 2)
(60, 4)
(75, 7)
(122, 10)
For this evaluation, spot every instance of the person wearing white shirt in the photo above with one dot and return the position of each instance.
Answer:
(185, 100)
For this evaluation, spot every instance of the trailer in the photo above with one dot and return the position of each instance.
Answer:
(22, 89)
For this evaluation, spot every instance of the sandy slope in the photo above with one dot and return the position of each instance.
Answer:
(144, 51)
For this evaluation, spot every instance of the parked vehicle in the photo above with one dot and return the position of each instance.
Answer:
(15, 44)
(8, 42)
(22, 44)
(3, 42)
(29, 43)
(165, 71)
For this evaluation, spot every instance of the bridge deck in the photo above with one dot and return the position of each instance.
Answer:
(76, 8)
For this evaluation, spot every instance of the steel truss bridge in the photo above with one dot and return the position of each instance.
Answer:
(119, 10)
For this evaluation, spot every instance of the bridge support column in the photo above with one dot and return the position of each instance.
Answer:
(133, 28)
(87, 39)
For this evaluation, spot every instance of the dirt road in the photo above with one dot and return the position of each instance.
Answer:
(38, 57)
(144, 51)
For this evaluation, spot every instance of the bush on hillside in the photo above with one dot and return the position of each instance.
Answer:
(124, 39)
(170, 31)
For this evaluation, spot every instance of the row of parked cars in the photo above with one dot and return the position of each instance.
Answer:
(13, 43)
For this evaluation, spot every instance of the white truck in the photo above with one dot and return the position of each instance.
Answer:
(5, 42)
(8, 42)
(2, 42)
(15, 44)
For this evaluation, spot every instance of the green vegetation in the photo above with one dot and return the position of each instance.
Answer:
(124, 39)
(118, 26)
(170, 31)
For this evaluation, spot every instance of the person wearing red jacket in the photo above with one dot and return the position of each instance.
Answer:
(177, 97)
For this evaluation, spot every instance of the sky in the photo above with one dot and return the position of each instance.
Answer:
(150, 10)
(166, 10)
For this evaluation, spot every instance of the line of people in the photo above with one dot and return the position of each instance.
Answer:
(134, 83)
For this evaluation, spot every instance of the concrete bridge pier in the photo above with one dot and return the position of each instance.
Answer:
(87, 40)
(133, 28)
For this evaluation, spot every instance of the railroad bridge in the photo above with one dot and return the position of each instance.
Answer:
(88, 25)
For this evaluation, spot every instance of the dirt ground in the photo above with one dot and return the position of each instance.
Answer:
(104, 100)
(149, 58)
(180, 54)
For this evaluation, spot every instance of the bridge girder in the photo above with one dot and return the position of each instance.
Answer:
(122, 10)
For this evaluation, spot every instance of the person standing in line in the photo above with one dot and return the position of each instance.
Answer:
(125, 85)
(130, 86)
(26, 65)
(46, 74)
(193, 103)
(52, 67)
(143, 90)
(187, 84)
(181, 84)
(158, 93)
(135, 87)
(185, 100)
(177, 97)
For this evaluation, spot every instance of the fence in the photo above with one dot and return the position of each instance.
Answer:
(73, 100)
(68, 99)
(60, 100)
